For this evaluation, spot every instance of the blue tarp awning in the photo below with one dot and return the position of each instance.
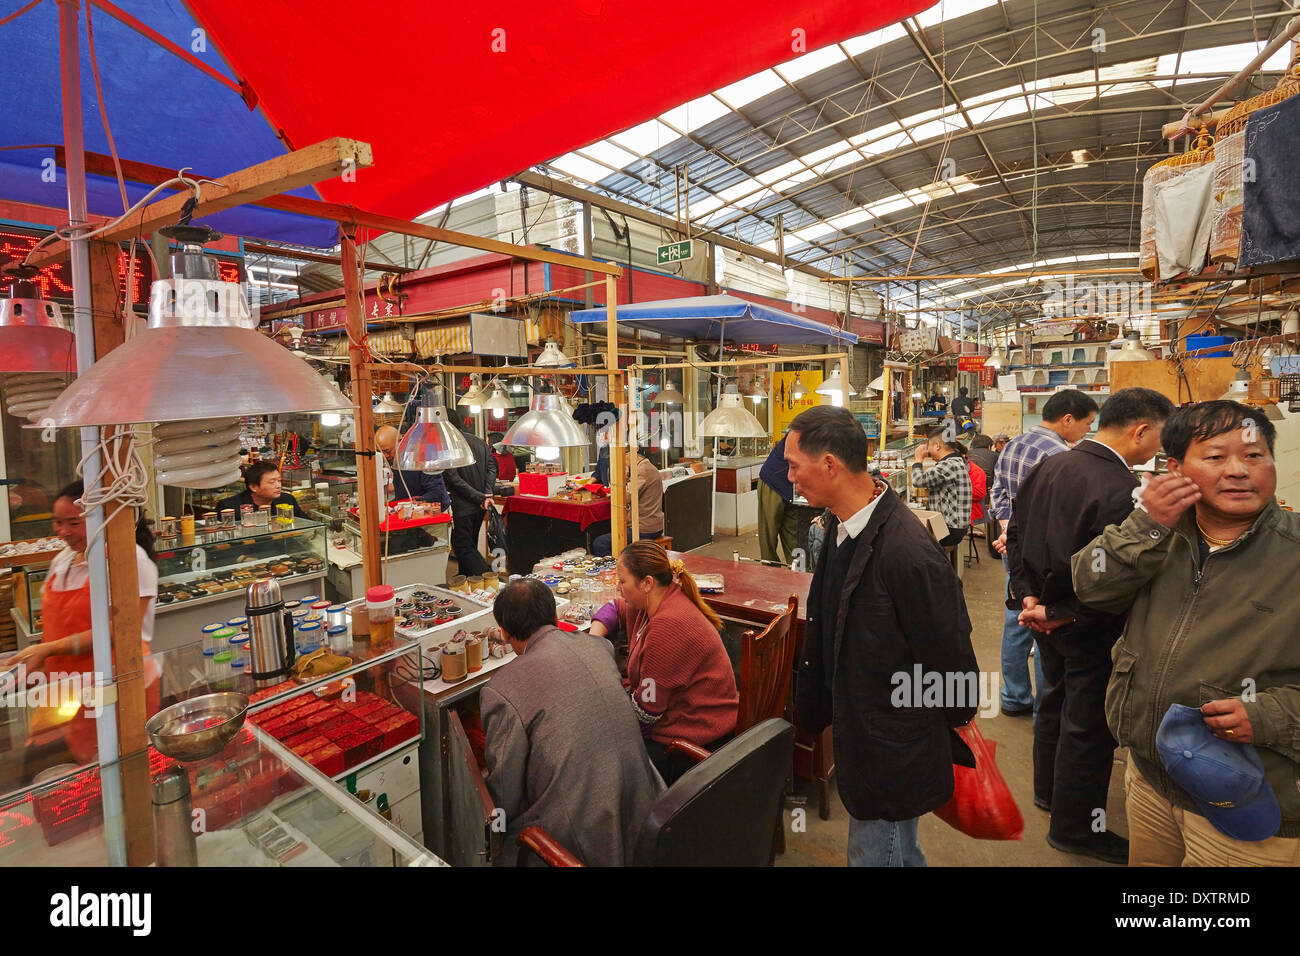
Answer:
(709, 318)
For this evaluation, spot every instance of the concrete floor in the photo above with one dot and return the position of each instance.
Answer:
(824, 841)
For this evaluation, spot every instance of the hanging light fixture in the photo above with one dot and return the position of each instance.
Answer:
(33, 335)
(547, 426)
(877, 384)
(389, 405)
(997, 360)
(798, 390)
(474, 398)
(756, 393)
(552, 357)
(832, 387)
(670, 396)
(498, 403)
(201, 362)
(731, 419)
(433, 444)
(1132, 350)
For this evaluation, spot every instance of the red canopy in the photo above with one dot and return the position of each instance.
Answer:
(455, 96)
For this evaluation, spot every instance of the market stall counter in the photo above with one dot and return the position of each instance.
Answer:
(542, 526)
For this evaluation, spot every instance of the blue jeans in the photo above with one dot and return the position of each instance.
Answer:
(884, 843)
(1016, 643)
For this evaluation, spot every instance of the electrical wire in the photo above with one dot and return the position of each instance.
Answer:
(122, 477)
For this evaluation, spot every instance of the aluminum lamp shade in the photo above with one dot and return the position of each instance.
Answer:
(997, 359)
(547, 424)
(498, 404)
(799, 390)
(433, 444)
(877, 384)
(552, 357)
(731, 419)
(199, 358)
(474, 398)
(832, 386)
(1132, 350)
(33, 336)
(389, 405)
(670, 396)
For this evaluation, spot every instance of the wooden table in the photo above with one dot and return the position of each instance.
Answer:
(756, 593)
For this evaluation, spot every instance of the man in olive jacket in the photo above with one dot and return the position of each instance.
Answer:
(1206, 569)
(887, 656)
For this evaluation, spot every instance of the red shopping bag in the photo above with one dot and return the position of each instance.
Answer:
(981, 806)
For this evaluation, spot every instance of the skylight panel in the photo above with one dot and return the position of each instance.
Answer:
(583, 169)
(811, 63)
(751, 88)
(609, 154)
(858, 45)
(951, 10)
(697, 113)
(645, 138)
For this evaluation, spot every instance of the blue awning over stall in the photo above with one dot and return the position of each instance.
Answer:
(709, 318)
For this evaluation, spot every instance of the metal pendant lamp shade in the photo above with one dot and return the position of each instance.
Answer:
(199, 358)
(33, 336)
(548, 423)
(832, 387)
(474, 398)
(670, 396)
(389, 405)
(552, 357)
(498, 404)
(1132, 350)
(731, 419)
(997, 359)
(433, 444)
(798, 390)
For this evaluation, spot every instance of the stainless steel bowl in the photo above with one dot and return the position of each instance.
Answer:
(199, 727)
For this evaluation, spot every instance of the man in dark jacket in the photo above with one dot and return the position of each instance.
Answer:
(471, 490)
(887, 656)
(778, 520)
(1067, 500)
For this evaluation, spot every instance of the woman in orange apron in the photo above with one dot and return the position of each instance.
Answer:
(65, 646)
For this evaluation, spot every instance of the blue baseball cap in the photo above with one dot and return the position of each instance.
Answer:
(1225, 779)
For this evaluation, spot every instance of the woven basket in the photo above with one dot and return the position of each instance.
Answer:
(1229, 190)
(1202, 152)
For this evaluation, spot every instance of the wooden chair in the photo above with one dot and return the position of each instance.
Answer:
(718, 813)
(766, 665)
(666, 542)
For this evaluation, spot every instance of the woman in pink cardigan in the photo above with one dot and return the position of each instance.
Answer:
(679, 677)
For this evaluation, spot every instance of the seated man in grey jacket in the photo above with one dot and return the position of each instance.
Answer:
(564, 749)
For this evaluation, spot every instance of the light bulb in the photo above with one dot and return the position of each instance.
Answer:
(475, 409)
(837, 400)
(330, 419)
(197, 454)
(498, 413)
(547, 452)
(663, 443)
(516, 386)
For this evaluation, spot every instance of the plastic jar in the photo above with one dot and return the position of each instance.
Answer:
(454, 662)
(458, 582)
(339, 640)
(381, 608)
(491, 579)
(336, 614)
(308, 637)
(207, 630)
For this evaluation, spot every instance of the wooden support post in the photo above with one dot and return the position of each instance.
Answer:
(368, 490)
(123, 585)
(617, 456)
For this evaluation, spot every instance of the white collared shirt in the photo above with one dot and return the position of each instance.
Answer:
(1098, 441)
(852, 527)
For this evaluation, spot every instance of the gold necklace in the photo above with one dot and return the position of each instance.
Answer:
(1210, 540)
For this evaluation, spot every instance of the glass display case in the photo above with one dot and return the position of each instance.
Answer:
(326, 758)
(254, 804)
(206, 580)
(28, 582)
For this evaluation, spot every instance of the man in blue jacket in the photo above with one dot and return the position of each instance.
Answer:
(778, 520)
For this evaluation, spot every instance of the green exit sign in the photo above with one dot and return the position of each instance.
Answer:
(675, 252)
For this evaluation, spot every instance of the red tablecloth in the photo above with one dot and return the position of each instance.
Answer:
(583, 514)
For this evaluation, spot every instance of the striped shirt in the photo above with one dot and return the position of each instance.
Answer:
(950, 489)
(1017, 459)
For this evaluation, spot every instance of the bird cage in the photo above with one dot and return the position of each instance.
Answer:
(1166, 170)
(1229, 158)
